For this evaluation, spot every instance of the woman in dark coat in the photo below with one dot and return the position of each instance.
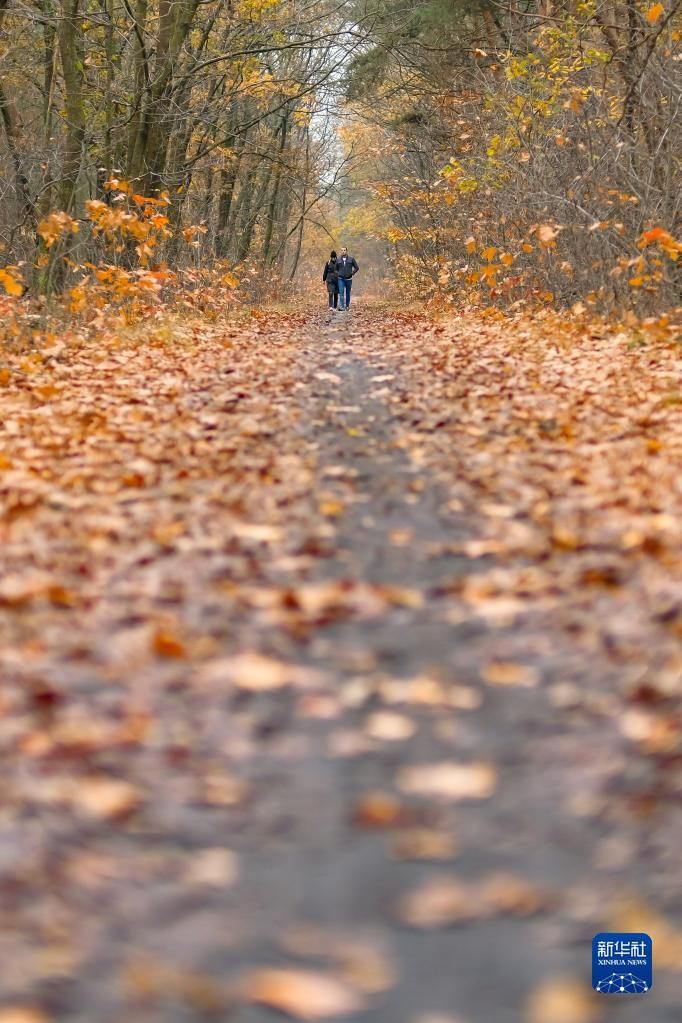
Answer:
(331, 277)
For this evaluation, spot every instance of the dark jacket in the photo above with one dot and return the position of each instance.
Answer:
(346, 267)
(330, 273)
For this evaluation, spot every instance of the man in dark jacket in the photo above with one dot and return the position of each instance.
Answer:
(346, 268)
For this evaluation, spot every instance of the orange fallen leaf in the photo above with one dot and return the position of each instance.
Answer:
(301, 994)
(165, 644)
(508, 673)
(331, 508)
(378, 810)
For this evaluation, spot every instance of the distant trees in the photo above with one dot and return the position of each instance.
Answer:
(524, 152)
(216, 106)
(502, 150)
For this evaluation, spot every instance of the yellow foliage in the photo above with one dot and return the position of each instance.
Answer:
(12, 281)
(54, 225)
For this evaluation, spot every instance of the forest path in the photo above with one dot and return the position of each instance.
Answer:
(342, 747)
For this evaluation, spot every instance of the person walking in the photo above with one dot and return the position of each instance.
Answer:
(346, 269)
(331, 277)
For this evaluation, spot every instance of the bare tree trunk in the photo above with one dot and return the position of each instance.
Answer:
(13, 133)
(272, 205)
(71, 51)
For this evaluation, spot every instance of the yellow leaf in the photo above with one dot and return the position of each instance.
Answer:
(527, 247)
(506, 258)
(489, 253)
(470, 244)
(331, 508)
(654, 13)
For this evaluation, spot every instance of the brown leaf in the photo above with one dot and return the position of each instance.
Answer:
(166, 644)
(379, 810)
(423, 844)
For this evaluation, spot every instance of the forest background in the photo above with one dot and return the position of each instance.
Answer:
(496, 155)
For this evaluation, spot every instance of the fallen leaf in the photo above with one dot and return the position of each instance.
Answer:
(449, 780)
(360, 960)
(563, 1000)
(104, 798)
(445, 900)
(390, 727)
(256, 672)
(215, 867)
(166, 644)
(507, 673)
(423, 844)
(301, 994)
(23, 1014)
(636, 915)
(441, 902)
(379, 810)
(508, 894)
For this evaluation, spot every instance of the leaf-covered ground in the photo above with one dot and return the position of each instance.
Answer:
(340, 668)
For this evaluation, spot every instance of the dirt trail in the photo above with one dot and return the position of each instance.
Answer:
(333, 763)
